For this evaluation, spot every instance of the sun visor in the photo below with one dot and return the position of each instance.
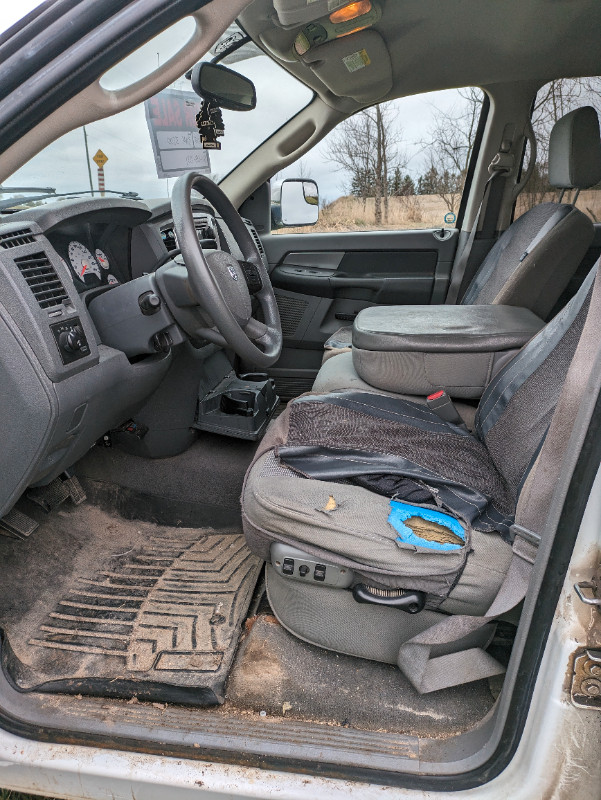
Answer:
(279, 43)
(298, 12)
(356, 66)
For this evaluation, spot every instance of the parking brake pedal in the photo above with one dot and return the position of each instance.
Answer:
(17, 525)
(50, 497)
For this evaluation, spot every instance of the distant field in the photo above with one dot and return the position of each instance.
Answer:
(413, 212)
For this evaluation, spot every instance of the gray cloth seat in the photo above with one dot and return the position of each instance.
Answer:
(532, 262)
(328, 474)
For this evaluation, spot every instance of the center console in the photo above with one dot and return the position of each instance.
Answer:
(419, 349)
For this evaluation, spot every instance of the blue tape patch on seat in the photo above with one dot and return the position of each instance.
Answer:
(431, 529)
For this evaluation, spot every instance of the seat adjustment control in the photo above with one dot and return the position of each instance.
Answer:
(294, 564)
(406, 600)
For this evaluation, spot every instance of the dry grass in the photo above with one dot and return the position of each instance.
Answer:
(355, 214)
(414, 212)
(588, 202)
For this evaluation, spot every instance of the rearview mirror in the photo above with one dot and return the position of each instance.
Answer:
(298, 203)
(223, 86)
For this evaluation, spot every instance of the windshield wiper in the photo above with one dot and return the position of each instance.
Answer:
(7, 189)
(51, 193)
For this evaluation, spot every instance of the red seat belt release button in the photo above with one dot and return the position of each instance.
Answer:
(442, 405)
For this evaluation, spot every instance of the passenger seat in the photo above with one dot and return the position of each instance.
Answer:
(532, 262)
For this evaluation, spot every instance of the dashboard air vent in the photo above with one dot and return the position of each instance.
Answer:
(42, 279)
(16, 238)
(258, 241)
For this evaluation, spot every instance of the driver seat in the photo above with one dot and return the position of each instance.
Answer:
(393, 535)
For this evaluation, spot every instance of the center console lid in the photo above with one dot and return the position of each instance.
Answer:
(420, 349)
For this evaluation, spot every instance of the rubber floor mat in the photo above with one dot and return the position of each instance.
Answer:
(101, 605)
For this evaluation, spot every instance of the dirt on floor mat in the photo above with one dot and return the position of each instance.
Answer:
(92, 603)
(282, 676)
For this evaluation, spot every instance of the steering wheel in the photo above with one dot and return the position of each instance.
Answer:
(222, 286)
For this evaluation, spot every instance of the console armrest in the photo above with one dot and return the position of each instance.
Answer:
(420, 349)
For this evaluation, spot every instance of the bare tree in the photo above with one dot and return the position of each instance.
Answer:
(366, 146)
(303, 169)
(555, 99)
(449, 146)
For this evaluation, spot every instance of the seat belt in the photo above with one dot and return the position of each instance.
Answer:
(427, 673)
(555, 218)
(502, 164)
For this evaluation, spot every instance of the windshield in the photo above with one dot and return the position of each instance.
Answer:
(143, 149)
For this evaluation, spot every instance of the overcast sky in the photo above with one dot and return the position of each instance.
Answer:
(125, 138)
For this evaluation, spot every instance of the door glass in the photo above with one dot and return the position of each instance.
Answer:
(399, 165)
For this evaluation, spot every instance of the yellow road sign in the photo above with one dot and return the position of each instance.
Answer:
(100, 158)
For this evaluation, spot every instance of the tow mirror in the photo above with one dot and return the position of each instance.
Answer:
(298, 204)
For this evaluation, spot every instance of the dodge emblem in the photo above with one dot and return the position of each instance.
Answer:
(233, 273)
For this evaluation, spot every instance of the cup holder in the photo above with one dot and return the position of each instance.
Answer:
(238, 401)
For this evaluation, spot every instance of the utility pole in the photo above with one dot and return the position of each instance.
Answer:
(85, 138)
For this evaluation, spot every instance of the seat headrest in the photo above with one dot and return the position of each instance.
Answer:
(575, 150)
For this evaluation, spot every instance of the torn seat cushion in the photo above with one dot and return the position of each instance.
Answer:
(281, 505)
(337, 343)
(343, 512)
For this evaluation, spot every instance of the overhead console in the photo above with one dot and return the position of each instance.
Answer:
(338, 41)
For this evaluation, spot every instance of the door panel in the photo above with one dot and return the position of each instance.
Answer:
(323, 280)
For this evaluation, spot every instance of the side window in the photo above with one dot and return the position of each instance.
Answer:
(399, 165)
(552, 101)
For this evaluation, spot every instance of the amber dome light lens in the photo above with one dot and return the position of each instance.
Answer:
(352, 11)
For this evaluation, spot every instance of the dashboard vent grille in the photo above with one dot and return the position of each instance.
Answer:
(16, 238)
(42, 279)
(258, 241)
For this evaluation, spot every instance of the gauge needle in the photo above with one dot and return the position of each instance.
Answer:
(85, 266)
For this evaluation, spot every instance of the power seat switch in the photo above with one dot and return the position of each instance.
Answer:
(320, 572)
(288, 566)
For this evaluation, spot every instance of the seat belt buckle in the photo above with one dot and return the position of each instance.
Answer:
(442, 405)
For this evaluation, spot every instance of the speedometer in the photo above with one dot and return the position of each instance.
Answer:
(82, 261)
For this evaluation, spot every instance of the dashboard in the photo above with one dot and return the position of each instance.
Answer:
(63, 384)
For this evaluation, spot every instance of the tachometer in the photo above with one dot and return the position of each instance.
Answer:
(82, 261)
(102, 259)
